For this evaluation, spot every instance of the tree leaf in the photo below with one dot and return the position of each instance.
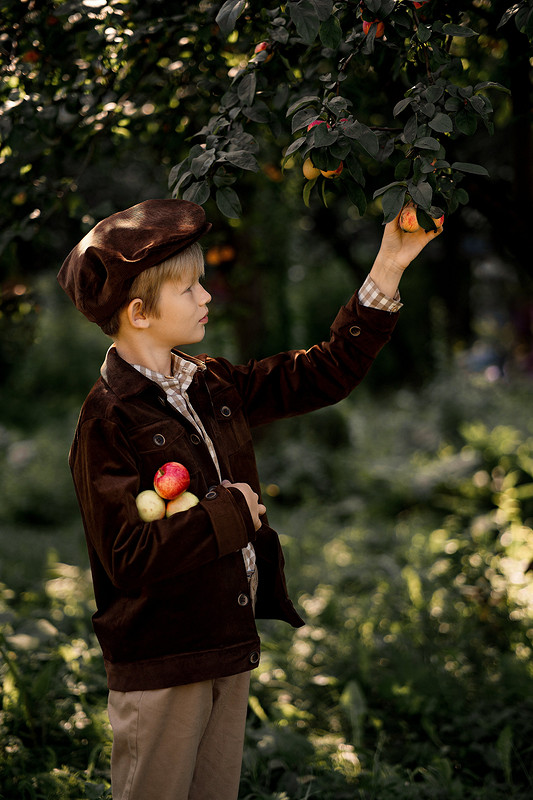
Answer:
(302, 118)
(457, 30)
(242, 159)
(441, 123)
(362, 134)
(392, 202)
(228, 202)
(400, 105)
(331, 33)
(422, 194)
(308, 100)
(465, 123)
(246, 88)
(197, 192)
(307, 190)
(201, 164)
(474, 169)
(323, 8)
(356, 195)
(229, 14)
(305, 19)
(427, 143)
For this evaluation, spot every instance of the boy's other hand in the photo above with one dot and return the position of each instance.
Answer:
(256, 508)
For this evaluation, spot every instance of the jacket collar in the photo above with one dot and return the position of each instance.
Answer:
(126, 381)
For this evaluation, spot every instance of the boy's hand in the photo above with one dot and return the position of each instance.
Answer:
(256, 508)
(398, 249)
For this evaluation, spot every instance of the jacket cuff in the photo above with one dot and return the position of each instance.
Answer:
(230, 519)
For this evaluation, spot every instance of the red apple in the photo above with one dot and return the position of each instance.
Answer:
(150, 506)
(380, 27)
(263, 46)
(182, 502)
(171, 479)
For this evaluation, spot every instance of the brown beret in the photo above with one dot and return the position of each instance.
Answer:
(98, 272)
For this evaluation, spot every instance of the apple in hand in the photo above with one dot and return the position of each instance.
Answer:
(182, 502)
(150, 506)
(408, 221)
(171, 479)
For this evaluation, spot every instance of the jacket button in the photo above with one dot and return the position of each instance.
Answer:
(195, 439)
(254, 657)
(243, 599)
(159, 439)
(225, 411)
(355, 330)
(211, 495)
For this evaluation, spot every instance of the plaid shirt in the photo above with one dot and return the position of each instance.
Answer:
(175, 386)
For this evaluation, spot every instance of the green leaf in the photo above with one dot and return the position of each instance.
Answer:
(201, 164)
(400, 105)
(427, 143)
(242, 159)
(424, 33)
(356, 195)
(402, 169)
(422, 194)
(362, 134)
(465, 123)
(441, 123)
(302, 118)
(293, 147)
(246, 88)
(457, 30)
(308, 100)
(331, 33)
(323, 8)
(386, 188)
(197, 192)
(307, 190)
(474, 169)
(305, 19)
(392, 202)
(228, 202)
(229, 14)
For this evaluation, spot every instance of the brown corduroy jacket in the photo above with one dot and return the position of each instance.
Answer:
(172, 596)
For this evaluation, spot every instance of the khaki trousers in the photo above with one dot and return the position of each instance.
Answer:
(180, 743)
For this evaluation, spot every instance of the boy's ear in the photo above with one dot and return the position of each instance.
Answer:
(136, 314)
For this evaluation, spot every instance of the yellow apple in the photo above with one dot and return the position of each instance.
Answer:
(182, 502)
(150, 505)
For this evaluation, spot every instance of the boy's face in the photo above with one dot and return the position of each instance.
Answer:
(182, 313)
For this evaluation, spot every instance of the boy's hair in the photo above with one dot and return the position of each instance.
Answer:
(147, 285)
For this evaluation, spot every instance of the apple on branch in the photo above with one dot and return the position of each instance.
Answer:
(182, 502)
(171, 479)
(150, 505)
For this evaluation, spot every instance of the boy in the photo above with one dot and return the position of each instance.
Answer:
(177, 598)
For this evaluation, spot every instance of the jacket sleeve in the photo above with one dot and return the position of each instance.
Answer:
(299, 381)
(135, 553)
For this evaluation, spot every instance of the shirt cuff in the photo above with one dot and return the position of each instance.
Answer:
(372, 297)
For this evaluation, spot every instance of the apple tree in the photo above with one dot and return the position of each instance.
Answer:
(307, 71)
